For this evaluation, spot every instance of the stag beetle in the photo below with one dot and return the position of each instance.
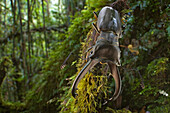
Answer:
(106, 49)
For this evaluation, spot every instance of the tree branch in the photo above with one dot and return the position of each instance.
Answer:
(5, 7)
(40, 29)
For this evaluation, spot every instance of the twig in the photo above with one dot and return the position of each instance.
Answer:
(64, 63)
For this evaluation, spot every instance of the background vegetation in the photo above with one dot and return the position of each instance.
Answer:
(36, 37)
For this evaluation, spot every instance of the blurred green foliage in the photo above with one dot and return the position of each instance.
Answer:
(144, 75)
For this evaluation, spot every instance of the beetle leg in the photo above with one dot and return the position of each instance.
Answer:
(95, 15)
(96, 28)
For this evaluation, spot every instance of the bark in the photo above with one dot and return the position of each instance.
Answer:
(22, 51)
(46, 42)
(29, 42)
